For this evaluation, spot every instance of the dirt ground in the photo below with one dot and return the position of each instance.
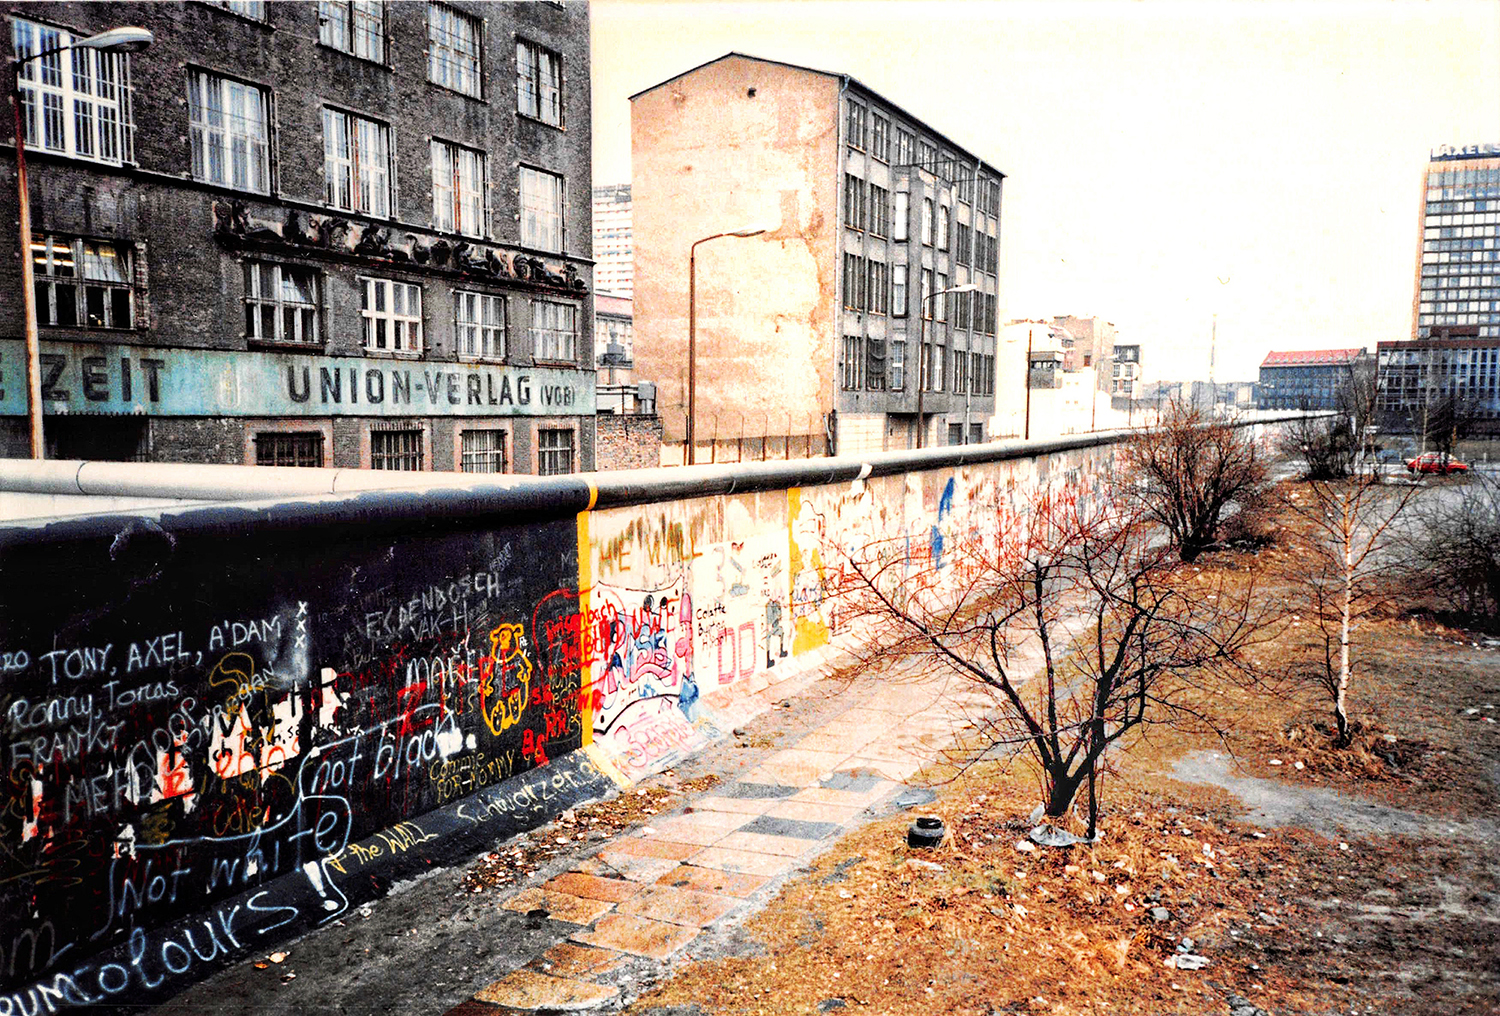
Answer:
(1266, 872)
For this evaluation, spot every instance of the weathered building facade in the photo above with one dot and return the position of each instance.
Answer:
(825, 333)
(331, 234)
(1307, 378)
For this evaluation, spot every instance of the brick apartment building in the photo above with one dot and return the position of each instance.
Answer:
(816, 336)
(334, 234)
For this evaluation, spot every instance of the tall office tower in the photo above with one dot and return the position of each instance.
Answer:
(1458, 270)
(614, 253)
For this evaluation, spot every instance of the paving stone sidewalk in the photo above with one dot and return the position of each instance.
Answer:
(649, 895)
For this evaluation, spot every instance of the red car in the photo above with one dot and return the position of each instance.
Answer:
(1436, 462)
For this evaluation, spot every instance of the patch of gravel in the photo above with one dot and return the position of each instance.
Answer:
(1274, 803)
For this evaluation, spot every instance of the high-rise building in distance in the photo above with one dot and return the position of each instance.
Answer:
(1458, 267)
(614, 250)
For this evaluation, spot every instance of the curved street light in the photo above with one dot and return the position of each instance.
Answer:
(967, 287)
(692, 407)
(126, 39)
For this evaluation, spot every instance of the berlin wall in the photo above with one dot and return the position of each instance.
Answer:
(226, 725)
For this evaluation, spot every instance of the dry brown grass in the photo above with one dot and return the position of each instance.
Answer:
(1071, 931)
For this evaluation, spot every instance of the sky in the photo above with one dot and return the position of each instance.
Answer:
(1168, 164)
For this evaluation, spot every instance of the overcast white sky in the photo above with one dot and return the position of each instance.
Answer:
(1165, 161)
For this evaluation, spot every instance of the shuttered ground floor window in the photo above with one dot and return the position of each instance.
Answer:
(395, 449)
(298, 448)
(483, 451)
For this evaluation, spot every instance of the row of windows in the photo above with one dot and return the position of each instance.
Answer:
(1466, 300)
(1461, 232)
(1464, 177)
(76, 103)
(878, 288)
(396, 447)
(1439, 251)
(1459, 282)
(455, 49)
(863, 366)
(1459, 213)
(867, 207)
(83, 283)
(870, 131)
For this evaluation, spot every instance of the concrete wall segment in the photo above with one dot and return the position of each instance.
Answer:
(219, 713)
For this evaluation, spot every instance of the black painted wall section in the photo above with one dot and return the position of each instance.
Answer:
(211, 736)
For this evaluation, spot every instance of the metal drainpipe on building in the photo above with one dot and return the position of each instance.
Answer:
(969, 388)
(839, 159)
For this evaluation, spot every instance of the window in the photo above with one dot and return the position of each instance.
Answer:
(452, 50)
(927, 221)
(538, 83)
(854, 202)
(356, 163)
(880, 211)
(253, 9)
(927, 156)
(878, 295)
(458, 189)
(942, 226)
(356, 27)
(396, 449)
(926, 294)
(898, 291)
(942, 301)
(900, 223)
(298, 448)
(875, 364)
(904, 143)
(479, 325)
(854, 364)
(81, 283)
(554, 452)
(955, 433)
(76, 101)
(854, 282)
(961, 305)
(855, 126)
(960, 370)
(228, 122)
(554, 331)
(541, 209)
(281, 303)
(482, 451)
(963, 245)
(393, 315)
(880, 137)
(898, 364)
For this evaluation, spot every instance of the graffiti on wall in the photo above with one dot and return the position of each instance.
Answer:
(249, 713)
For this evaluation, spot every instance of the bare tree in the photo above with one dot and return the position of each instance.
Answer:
(1447, 420)
(1190, 470)
(1351, 527)
(1459, 553)
(1335, 446)
(1071, 619)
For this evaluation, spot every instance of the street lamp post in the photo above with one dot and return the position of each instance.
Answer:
(692, 408)
(116, 40)
(967, 287)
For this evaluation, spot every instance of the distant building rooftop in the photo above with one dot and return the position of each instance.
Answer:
(1312, 357)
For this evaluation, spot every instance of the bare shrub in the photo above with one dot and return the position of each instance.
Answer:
(1190, 471)
(1067, 612)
